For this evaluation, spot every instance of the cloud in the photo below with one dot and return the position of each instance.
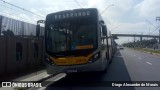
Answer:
(124, 5)
(117, 12)
(126, 16)
(130, 27)
(149, 8)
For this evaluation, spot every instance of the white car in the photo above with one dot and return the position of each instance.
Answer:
(120, 47)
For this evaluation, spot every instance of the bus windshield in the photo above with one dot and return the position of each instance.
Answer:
(69, 36)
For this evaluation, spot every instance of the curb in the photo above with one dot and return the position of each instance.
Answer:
(156, 54)
(41, 80)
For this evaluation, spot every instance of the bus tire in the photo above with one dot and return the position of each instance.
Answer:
(110, 61)
(104, 71)
(106, 68)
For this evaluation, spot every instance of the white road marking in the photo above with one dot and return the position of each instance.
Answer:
(46, 76)
(57, 77)
(43, 88)
(149, 63)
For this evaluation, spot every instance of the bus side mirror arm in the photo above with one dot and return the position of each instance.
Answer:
(38, 27)
(37, 30)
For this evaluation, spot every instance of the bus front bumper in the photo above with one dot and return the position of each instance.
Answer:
(95, 66)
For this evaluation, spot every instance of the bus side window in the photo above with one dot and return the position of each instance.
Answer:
(104, 30)
(101, 34)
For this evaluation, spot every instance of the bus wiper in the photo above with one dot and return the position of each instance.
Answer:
(60, 55)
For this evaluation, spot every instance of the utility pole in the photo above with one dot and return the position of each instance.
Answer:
(141, 40)
(158, 20)
(0, 25)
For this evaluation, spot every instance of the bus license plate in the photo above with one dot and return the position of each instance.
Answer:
(71, 71)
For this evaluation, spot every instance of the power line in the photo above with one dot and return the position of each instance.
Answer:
(106, 8)
(10, 8)
(11, 16)
(154, 30)
(21, 8)
(78, 3)
(152, 25)
(15, 9)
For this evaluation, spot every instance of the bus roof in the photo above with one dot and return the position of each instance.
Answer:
(70, 14)
(74, 10)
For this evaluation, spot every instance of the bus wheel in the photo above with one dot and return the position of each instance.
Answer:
(104, 71)
(110, 61)
(106, 68)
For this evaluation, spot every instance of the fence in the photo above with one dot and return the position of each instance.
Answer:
(18, 27)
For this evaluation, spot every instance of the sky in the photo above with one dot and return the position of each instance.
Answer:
(120, 16)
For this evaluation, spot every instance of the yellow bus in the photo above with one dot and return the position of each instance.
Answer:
(77, 41)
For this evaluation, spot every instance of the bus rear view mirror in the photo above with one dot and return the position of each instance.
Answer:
(104, 30)
(37, 30)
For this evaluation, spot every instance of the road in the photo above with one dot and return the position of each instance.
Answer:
(127, 65)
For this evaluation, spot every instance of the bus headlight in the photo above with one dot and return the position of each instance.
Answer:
(49, 61)
(94, 57)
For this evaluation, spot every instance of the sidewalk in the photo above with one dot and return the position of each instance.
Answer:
(11, 77)
(34, 76)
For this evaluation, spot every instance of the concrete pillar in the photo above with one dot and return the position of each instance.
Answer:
(141, 41)
(134, 41)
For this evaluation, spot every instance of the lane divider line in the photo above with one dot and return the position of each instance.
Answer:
(53, 79)
(149, 63)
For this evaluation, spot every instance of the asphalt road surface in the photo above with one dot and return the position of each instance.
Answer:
(127, 65)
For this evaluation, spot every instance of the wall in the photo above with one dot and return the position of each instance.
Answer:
(19, 54)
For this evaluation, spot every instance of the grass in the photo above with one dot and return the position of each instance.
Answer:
(148, 50)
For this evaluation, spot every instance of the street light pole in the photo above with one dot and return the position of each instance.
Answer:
(0, 24)
(106, 8)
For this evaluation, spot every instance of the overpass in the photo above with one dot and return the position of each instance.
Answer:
(135, 35)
